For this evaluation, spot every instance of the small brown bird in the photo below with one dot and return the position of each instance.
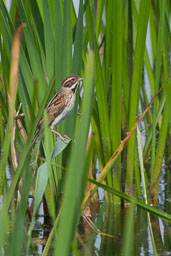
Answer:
(60, 106)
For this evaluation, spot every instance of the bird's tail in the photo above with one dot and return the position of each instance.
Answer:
(36, 135)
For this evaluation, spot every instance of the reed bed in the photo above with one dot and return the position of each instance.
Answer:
(126, 93)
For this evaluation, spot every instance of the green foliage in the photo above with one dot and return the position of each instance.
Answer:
(106, 45)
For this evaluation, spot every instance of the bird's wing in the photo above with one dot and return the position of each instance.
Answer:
(55, 106)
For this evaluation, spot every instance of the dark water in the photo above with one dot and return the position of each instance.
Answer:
(113, 219)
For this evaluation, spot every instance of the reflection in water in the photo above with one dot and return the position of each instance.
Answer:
(112, 219)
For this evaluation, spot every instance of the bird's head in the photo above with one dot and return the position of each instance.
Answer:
(71, 82)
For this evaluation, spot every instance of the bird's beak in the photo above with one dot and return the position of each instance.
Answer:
(80, 79)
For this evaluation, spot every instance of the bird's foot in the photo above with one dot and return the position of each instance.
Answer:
(62, 137)
(66, 137)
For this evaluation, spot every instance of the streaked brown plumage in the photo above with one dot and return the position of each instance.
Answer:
(60, 106)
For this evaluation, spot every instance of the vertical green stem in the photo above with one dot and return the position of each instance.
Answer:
(116, 103)
(135, 89)
(157, 77)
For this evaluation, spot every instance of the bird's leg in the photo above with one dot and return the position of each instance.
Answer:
(62, 137)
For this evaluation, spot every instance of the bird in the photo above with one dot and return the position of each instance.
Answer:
(60, 106)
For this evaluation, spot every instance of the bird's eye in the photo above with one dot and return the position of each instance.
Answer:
(73, 79)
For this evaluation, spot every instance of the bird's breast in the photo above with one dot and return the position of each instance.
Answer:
(69, 105)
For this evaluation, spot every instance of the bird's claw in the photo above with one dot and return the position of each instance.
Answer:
(66, 137)
(63, 137)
